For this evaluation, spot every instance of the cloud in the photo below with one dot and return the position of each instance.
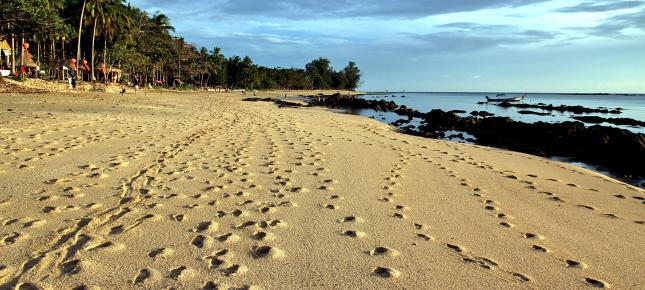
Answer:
(618, 25)
(602, 6)
(468, 37)
(308, 9)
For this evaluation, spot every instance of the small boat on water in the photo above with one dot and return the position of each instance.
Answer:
(503, 98)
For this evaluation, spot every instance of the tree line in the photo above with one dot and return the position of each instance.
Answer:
(114, 36)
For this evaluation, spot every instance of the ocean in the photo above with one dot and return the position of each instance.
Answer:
(633, 106)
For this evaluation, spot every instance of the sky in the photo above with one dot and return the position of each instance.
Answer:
(432, 45)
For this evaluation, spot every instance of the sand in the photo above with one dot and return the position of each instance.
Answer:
(200, 190)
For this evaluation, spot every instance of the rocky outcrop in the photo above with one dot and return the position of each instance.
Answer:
(482, 114)
(353, 102)
(615, 121)
(280, 103)
(529, 112)
(561, 108)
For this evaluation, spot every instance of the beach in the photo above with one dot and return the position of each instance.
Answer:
(200, 190)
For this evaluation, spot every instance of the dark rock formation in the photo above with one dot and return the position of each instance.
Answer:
(529, 112)
(352, 102)
(561, 108)
(615, 121)
(280, 103)
(482, 114)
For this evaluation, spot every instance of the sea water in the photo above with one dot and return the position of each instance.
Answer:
(633, 106)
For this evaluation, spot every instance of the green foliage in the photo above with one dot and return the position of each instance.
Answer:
(142, 47)
(38, 18)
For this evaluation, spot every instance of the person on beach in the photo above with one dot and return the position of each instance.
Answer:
(72, 73)
(135, 82)
(104, 73)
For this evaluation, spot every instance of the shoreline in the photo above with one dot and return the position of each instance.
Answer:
(611, 148)
(188, 190)
(512, 93)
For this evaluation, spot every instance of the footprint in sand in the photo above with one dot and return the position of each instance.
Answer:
(506, 225)
(228, 238)
(540, 249)
(533, 236)
(401, 207)
(266, 251)
(399, 215)
(491, 208)
(330, 206)
(521, 277)
(234, 270)
(354, 234)
(425, 237)
(160, 253)
(117, 230)
(455, 248)
(383, 251)
(262, 236)
(10, 238)
(199, 241)
(575, 264)
(27, 286)
(205, 226)
(385, 272)
(597, 283)
(143, 275)
(351, 219)
(178, 273)
(70, 267)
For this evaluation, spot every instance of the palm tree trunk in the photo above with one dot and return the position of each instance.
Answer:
(13, 53)
(105, 57)
(80, 26)
(93, 39)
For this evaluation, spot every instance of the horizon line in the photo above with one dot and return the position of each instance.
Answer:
(500, 92)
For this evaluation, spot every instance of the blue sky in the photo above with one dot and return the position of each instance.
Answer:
(433, 45)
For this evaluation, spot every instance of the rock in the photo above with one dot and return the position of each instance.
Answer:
(562, 108)
(280, 103)
(482, 114)
(529, 112)
(615, 121)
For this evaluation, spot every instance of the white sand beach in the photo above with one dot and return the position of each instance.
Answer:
(202, 190)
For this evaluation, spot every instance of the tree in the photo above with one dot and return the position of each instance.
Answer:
(141, 45)
(115, 21)
(97, 15)
(80, 26)
(320, 72)
(352, 76)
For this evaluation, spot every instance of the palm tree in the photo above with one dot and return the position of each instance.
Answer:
(161, 23)
(115, 21)
(97, 11)
(80, 26)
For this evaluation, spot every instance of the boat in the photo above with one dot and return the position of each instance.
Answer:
(503, 98)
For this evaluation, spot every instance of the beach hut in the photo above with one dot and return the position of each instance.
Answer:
(5, 53)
